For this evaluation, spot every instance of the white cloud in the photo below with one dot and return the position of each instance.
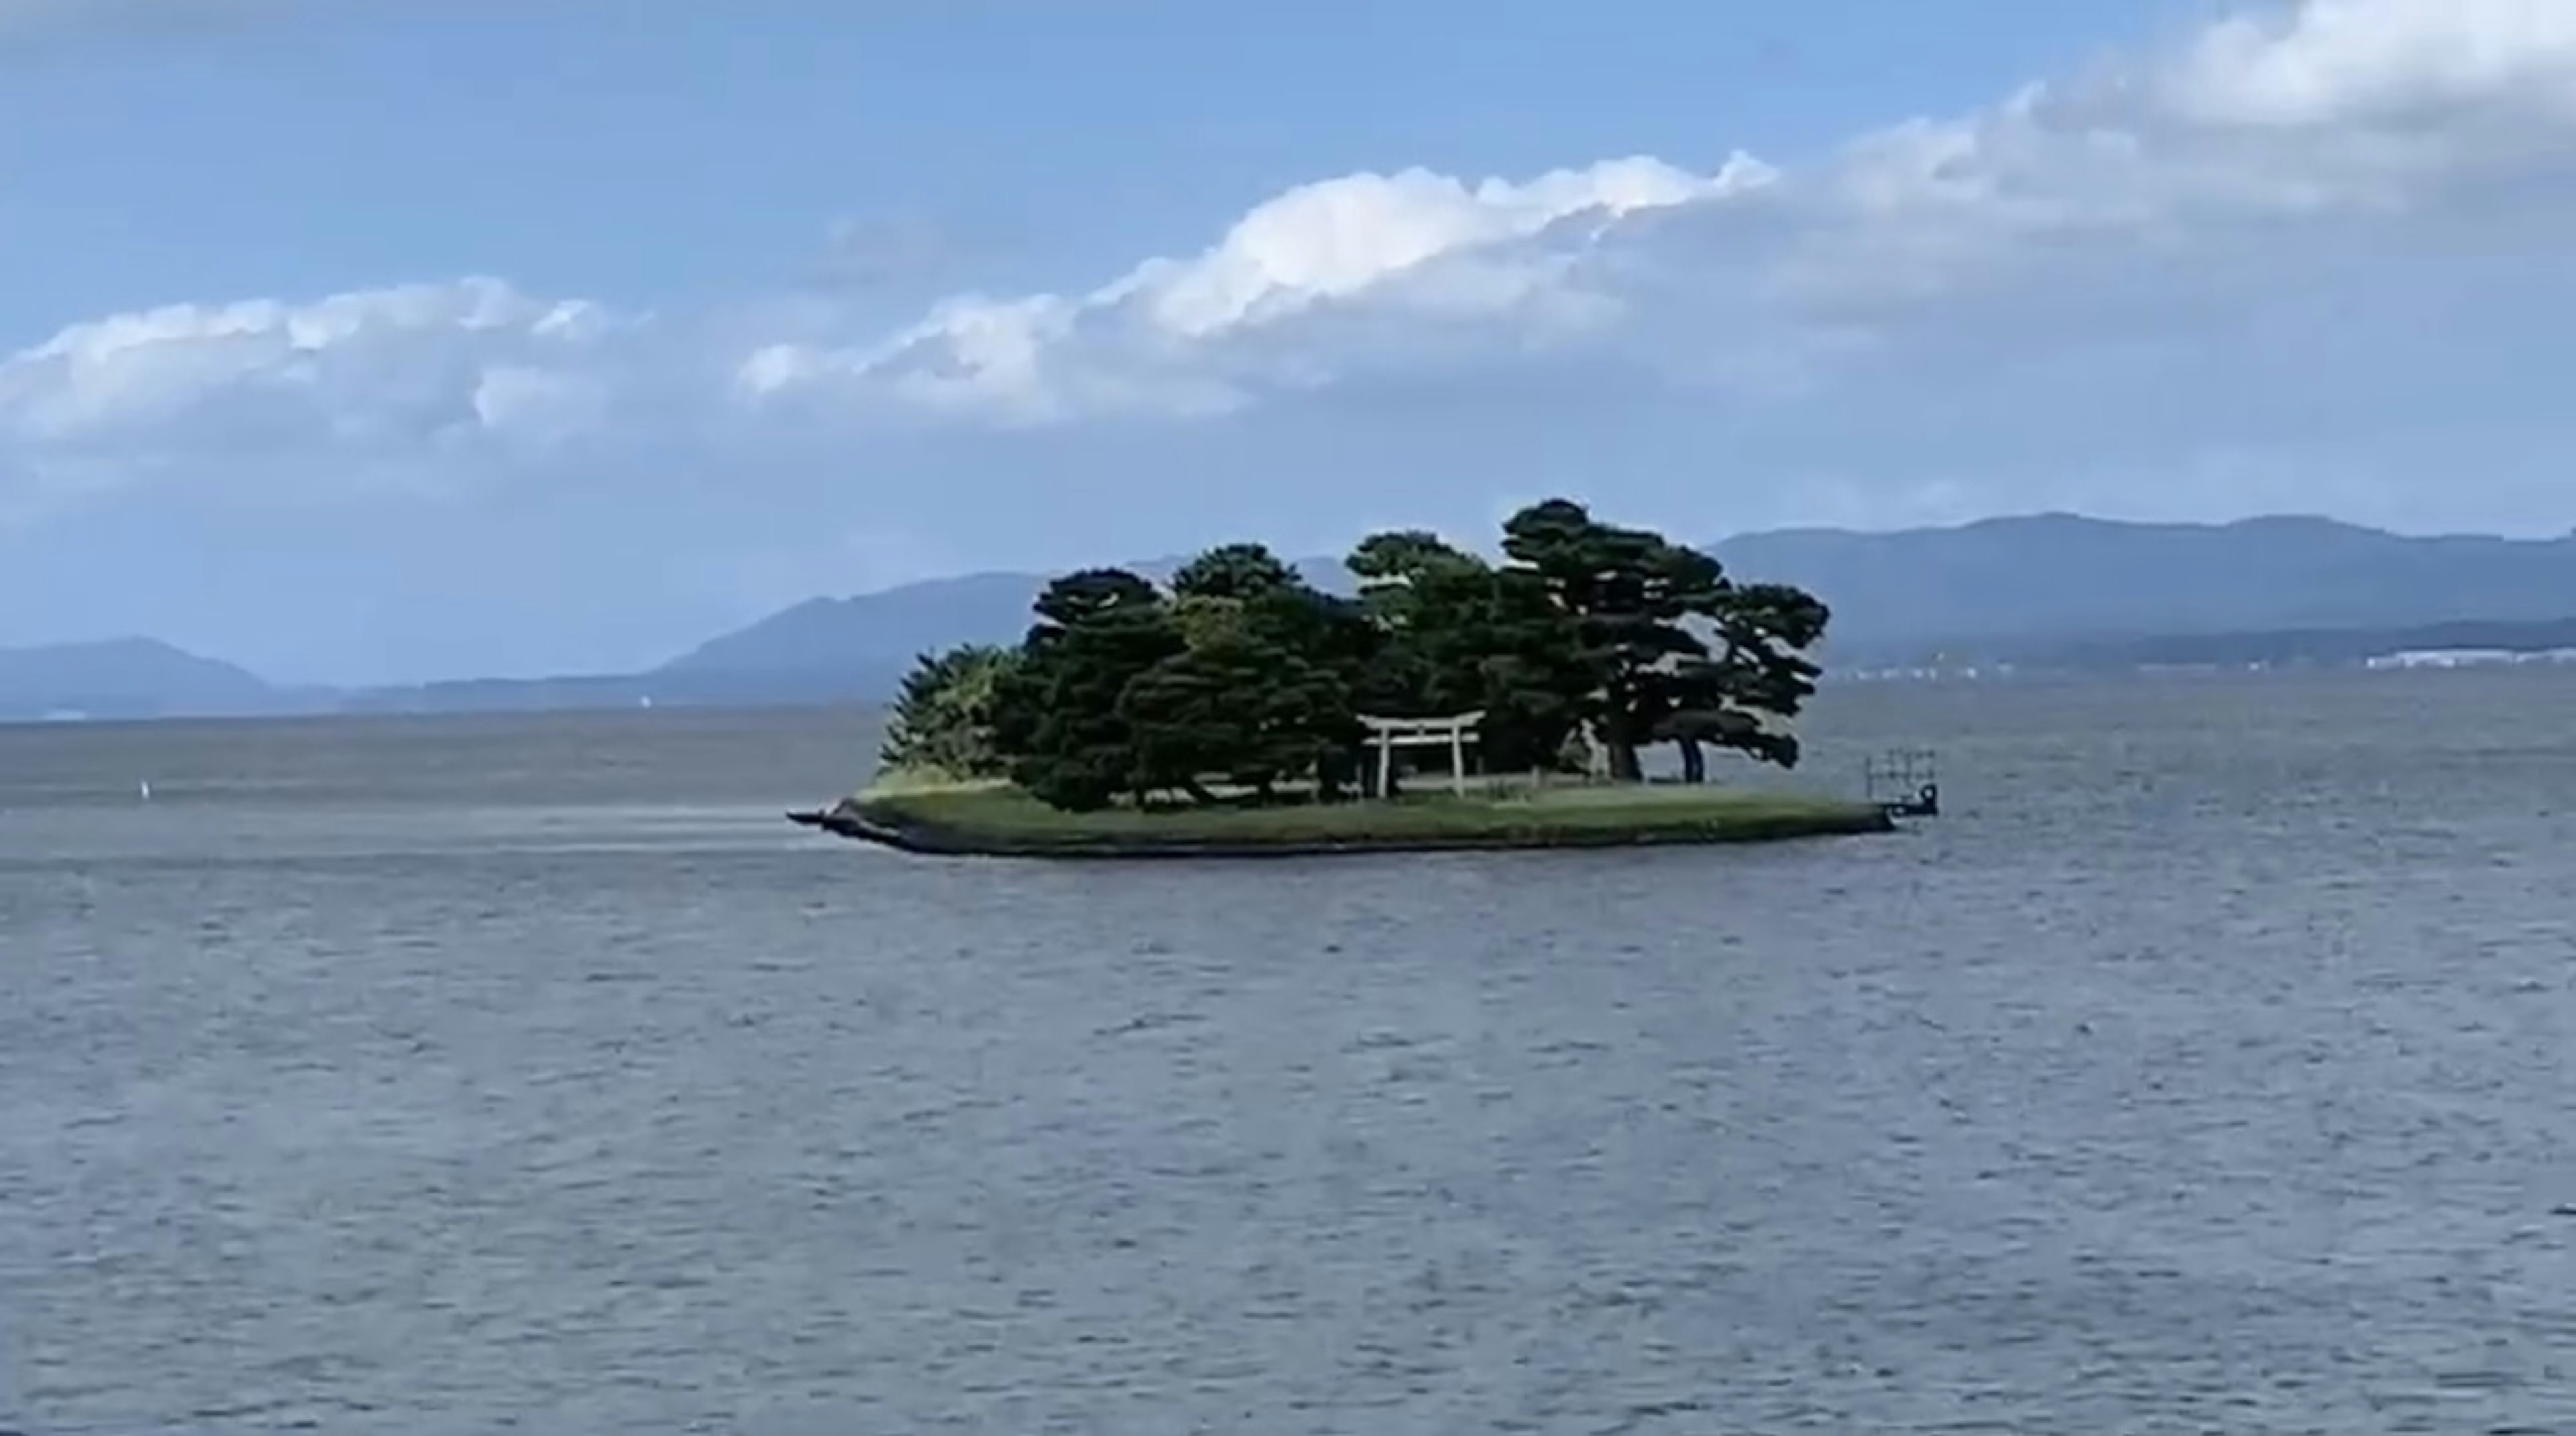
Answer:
(2380, 62)
(2310, 257)
(1341, 238)
(1760, 280)
(384, 374)
(1144, 340)
(2117, 200)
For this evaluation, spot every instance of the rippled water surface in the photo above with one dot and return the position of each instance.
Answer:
(2207, 1068)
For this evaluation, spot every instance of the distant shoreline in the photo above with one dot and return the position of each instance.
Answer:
(2470, 648)
(2390, 665)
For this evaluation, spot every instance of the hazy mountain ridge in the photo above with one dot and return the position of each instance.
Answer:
(2046, 589)
(127, 678)
(883, 632)
(2003, 583)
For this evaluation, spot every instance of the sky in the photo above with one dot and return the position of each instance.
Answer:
(382, 340)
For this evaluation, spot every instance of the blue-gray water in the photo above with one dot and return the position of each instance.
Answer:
(2207, 1068)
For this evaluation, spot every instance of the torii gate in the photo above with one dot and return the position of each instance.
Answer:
(1453, 732)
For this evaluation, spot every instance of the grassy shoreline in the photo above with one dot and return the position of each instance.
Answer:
(1000, 821)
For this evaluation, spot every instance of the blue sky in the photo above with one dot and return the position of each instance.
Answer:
(388, 339)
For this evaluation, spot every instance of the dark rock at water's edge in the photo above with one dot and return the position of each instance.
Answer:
(841, 819)
(854, 820)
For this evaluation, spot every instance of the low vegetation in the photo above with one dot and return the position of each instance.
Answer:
(1230, 699)
(998, 817)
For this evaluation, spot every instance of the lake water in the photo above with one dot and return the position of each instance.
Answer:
(2206, 1068)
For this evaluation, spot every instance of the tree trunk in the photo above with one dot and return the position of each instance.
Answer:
(1694, 762)
(1345, 769)
(1624, 767)
(1619, 735)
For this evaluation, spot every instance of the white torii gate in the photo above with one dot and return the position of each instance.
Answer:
(1452, 732)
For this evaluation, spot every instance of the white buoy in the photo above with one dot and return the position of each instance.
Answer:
(146, 789)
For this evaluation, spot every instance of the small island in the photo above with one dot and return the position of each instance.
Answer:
(1450, 703)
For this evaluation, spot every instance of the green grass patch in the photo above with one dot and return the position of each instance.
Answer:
(1002, 819)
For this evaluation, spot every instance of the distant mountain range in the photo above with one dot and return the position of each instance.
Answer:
(2045, 590)
(2034, 586)
(881, 633)
(125, 678)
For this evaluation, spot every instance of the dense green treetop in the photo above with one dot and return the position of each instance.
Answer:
(1242, 675)
(942, 720)
(1238, 571)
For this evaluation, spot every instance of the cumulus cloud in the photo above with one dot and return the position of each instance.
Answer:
(1158, 336)
(379, 375)
(2156, 172)
(2380, 63)
(2304, 257)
